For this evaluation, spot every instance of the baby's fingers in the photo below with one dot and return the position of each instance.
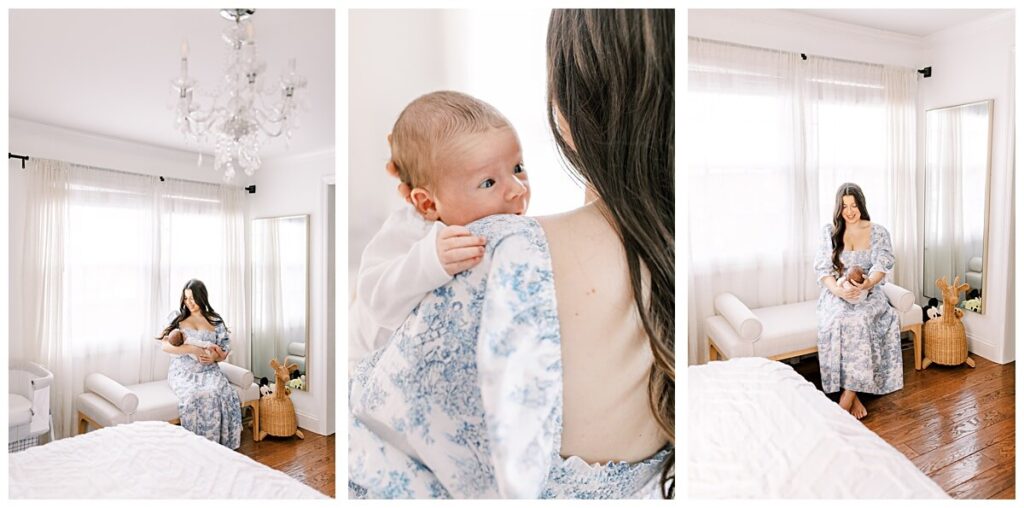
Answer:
(461, 254)
(459, 266)
(462, 241)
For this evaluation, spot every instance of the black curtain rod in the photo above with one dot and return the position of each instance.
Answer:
(926, 72)
(16, 156)
(251, 189)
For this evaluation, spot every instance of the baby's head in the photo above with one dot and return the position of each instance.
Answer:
(176, 338)
(856, 274)
(460, 157)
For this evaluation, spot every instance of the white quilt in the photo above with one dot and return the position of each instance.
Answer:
(757, 429)
(145, 460)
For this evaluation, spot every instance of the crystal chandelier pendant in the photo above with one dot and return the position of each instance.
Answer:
(244, 113)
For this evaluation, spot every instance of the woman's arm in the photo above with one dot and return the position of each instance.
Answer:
(184, 349)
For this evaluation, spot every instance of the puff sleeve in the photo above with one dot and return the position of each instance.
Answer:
(882, 258)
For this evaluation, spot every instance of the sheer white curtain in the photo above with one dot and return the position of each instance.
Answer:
(771, 138)
(268, 312)
(101, 251)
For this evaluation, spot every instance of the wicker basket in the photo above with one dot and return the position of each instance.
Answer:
(945, 343)
(277, 416)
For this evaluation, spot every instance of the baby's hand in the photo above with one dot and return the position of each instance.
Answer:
(458, 249)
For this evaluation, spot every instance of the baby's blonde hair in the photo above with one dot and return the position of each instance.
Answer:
(426, 128)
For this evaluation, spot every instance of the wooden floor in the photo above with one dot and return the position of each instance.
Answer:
(309, 460)
(956, 424)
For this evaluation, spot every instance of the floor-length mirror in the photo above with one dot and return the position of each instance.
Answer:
(280, 296)
(956, 179)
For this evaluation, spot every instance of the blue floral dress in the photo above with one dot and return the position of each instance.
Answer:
(858, 344)
(207, 404)
(465, 400)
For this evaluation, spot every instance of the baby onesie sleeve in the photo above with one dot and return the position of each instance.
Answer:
(399, 266)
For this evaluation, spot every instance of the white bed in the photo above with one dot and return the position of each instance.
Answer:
(757, 429)
(145, 460)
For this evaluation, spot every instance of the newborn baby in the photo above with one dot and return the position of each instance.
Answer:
(176, 338)
(854, 274)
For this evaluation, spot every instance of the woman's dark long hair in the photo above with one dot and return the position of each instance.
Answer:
(201, 297)
(611, 76)
(839, 223)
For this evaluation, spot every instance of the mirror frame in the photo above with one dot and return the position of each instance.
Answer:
(990, 106)
(252, 275)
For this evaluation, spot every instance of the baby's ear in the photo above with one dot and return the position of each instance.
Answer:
(424, 203)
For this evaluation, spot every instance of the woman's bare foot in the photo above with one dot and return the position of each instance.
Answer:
(857, 409)
(846, 399)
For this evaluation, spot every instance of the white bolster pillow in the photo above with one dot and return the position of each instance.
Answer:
(122, 398)
(742, 319)
(901, 299)
(974, 264)
(236, 375)
(297, 348)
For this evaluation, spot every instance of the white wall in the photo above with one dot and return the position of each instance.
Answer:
(973, 62)
(297, 185)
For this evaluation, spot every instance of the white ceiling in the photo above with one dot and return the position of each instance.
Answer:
(917, 22)
(109, 71)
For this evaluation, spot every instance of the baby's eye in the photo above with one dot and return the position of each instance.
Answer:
(487, 184)
(519, 169)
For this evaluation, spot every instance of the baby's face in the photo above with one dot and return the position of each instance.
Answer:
(483, 175)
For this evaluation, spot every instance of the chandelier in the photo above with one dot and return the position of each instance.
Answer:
(244, 113)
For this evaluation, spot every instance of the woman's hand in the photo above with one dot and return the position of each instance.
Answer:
(863, 286)
(206, 356)
(847, 293)
(217, 353)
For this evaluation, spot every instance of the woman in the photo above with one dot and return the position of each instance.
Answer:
(207, 404)
(858, 343)
(548, 370)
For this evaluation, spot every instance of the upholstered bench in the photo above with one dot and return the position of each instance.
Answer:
(106, 402)
(786, 331)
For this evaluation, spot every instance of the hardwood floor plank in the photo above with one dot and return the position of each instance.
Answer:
(946, 417)
(966, 445)
(899, 423)
(1003, 451)
(951, 433)
(963, 470)
(1005, 494)
(986, 484)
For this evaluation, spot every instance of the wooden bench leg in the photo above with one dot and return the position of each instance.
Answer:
(714, 354)
(916, 332)
(256, 420)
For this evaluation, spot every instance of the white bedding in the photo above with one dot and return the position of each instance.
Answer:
(757, 429)
(145, 460)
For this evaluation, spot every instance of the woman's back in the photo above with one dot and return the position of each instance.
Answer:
(606, 358)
